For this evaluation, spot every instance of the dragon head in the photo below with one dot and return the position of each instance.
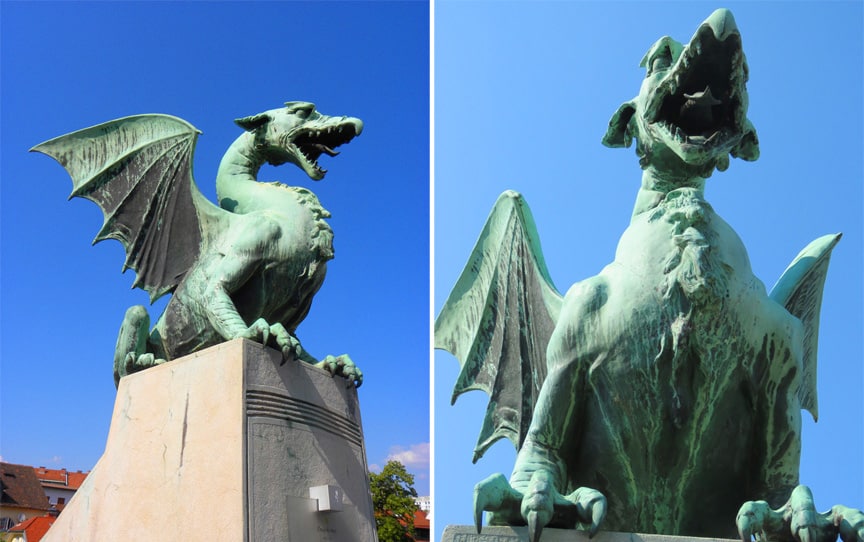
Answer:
(691, 111)
(299, 134)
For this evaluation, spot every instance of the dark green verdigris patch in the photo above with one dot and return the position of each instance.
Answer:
(248, 268)
(661, 394)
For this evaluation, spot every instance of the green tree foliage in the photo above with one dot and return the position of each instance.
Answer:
(393, 497)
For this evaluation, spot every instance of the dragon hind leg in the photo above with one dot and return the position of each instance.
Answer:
(130, 354)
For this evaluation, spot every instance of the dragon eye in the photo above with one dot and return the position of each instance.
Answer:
(661, 62)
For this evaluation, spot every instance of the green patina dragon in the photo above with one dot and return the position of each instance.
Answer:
(671, 383)
(248, 268)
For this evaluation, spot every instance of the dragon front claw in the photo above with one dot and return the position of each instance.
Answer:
(134, 363)
(263, 332)
(755, 518)
(287, 343)
(850, 523)
(494, 494)
(806, 523)
(799, 520)
(342, 366)
(259, 331)
(540, 505)
(590, 508)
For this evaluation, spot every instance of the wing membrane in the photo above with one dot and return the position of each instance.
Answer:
(498, 319)
(139, 171)
(799, 289)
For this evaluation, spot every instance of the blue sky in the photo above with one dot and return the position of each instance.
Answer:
(523, 94)
(66, 66)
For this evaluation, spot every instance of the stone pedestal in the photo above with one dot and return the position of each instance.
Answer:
(465, 533)
(228, 445)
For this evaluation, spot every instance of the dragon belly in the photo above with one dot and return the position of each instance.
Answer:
(291, 268)
(289, 287)
(270, 268)
(694, 354)
(671, 435)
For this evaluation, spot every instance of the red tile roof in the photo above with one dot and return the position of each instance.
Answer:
(421, 526)
(34, 528)
(60, 478)
(420, 520)
(21, 488)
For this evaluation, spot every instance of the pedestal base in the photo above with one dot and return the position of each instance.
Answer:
(465, 533)
(225, 445)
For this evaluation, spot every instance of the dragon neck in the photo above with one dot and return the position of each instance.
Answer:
(238, 191)
(236, 180)
(656, 184)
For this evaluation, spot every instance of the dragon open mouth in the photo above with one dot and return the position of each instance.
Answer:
(691, 110)
(312, 142)
(701, 102)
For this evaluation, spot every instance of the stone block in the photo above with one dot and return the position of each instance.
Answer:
(225, 445)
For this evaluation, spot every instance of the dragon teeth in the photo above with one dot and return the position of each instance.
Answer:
(737, 58)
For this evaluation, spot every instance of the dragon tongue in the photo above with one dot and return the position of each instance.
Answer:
(326, 150)
(704, 98)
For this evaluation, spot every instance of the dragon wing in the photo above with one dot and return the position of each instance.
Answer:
(498, 319)
(799, 289)
(139, 171)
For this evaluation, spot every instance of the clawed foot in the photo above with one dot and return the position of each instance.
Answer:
(289, 344)
(133, 363)
(342, 366)
(849, 522)
(540, 505)
(130, 353)
(263, 332)
(798, 520)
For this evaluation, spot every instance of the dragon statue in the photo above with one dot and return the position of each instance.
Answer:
(661, 394)
(247, 268)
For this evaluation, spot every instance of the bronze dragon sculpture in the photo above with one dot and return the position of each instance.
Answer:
(246, 268)
(661, 394)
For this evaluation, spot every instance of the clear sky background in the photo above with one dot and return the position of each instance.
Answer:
(523, 95)
(66, 66)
